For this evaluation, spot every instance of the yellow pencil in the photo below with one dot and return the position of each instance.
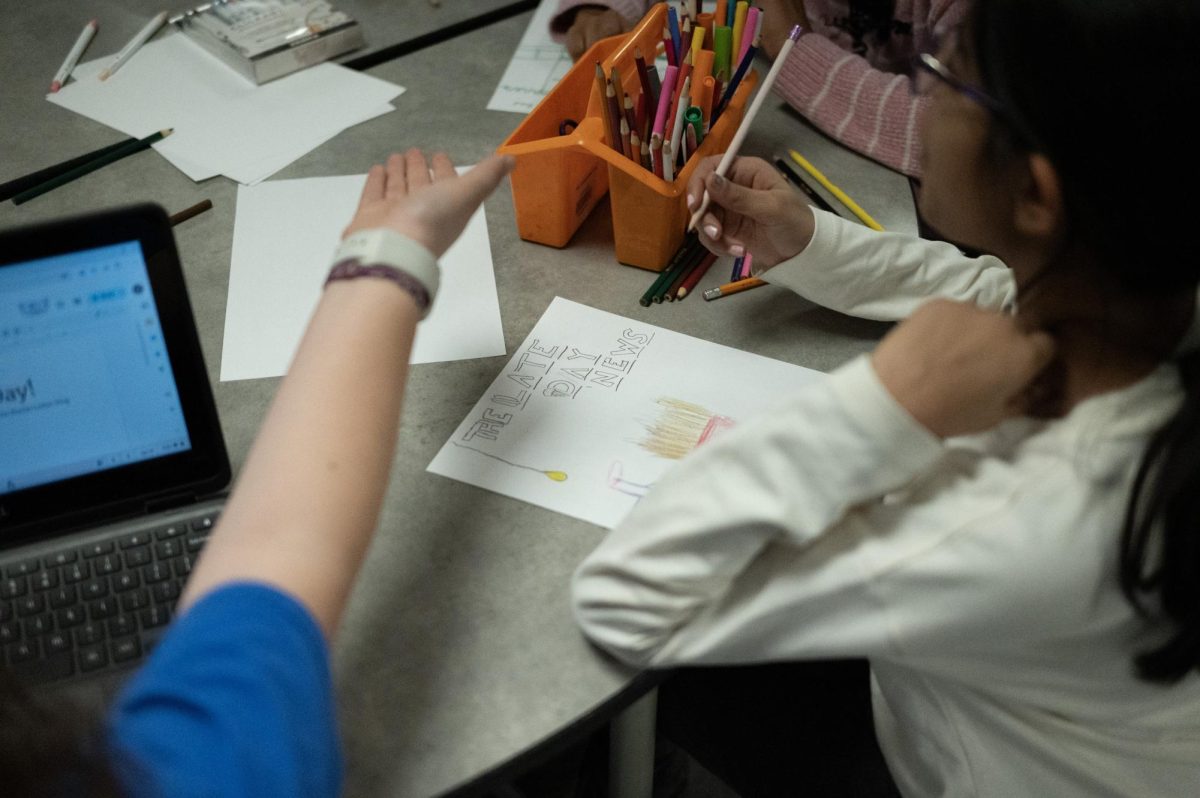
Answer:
(733, 288)
(835, 191)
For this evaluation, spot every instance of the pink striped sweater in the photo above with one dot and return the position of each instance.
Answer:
(857, 92)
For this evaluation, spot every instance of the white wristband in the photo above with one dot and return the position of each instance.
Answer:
(385, 247)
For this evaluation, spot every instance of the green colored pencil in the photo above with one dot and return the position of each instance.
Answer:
(667, 274)
(104, 160)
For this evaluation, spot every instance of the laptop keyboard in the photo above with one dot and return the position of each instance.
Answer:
(87, 609)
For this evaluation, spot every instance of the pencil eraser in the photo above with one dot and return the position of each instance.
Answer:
(55, 86)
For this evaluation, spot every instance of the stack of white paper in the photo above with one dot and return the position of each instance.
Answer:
(223, 123)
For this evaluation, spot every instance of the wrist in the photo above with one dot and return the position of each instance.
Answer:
(383, 253)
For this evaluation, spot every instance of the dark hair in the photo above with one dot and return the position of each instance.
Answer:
(873, 18)
(50, 747)
(1101, 86)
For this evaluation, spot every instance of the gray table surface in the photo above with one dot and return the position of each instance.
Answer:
(458, 651)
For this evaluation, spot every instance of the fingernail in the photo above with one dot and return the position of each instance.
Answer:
(710, 230)
(691, 201)
(737, 250)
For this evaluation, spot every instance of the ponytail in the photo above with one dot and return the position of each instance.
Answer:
(1160, 541)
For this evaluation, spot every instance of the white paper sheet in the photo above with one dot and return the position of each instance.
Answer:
(284, 235)
(589, 411)
(223, 123)
(535, 68)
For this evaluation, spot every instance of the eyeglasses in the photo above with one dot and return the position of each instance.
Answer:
(927, 70)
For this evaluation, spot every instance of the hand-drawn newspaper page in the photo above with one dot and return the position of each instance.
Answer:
(536, 66)
(594, 407)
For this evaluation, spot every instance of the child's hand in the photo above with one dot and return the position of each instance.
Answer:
(751, 209)
(959, 370)
(591, 24)
(432, 208)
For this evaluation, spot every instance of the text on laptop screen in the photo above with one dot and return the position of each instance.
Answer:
(85, 380)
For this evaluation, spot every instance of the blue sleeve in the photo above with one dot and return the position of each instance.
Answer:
(236, 700)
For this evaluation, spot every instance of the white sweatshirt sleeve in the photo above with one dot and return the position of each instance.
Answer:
(651, 593)
(886, 276)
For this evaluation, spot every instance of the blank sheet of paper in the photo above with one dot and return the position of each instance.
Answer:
(284, 236)
(594, 407)
(224, 124)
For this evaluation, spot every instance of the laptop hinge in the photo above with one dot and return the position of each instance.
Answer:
(171, 502)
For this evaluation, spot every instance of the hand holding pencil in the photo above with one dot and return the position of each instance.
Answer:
(752, 209)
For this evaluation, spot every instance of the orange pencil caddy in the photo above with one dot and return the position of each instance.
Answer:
(558, 179)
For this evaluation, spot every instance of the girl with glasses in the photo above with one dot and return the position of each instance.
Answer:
(999, 508)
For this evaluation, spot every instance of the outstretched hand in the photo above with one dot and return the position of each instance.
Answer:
(428, 202)
(959, 370)
(751, 209)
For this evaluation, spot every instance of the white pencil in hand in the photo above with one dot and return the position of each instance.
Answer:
(64, 71)
(135, 44)
(747, 120)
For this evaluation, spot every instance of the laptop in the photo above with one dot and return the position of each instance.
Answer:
(112, 465)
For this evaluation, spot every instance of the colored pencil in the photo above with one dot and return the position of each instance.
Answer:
(605, 110)
(747, 265)
(748, 119)
(696, 276)
(673, 29)
(614, 113)
(694, 259)
(680, 109)
(655, 88)
(835, 191)
(686, 255)
(187, 213)
(104, 160)
(643, 78)
(739, 25)
(735, 273)
(800, 183)
(19, 184)
(752, 32)
(690, 240)
(656, 147)
(68, 64)
(664, 100)
(733, 288)
(135, 44)
(732, 87)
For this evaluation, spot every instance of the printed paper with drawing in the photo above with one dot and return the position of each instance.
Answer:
(536, 66)
(594, 407)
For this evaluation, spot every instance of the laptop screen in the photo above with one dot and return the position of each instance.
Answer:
(105, 406)
(85, 384)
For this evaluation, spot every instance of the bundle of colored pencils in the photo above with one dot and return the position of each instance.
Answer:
(662, 123)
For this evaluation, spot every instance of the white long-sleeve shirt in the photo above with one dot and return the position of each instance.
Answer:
(978, 574)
